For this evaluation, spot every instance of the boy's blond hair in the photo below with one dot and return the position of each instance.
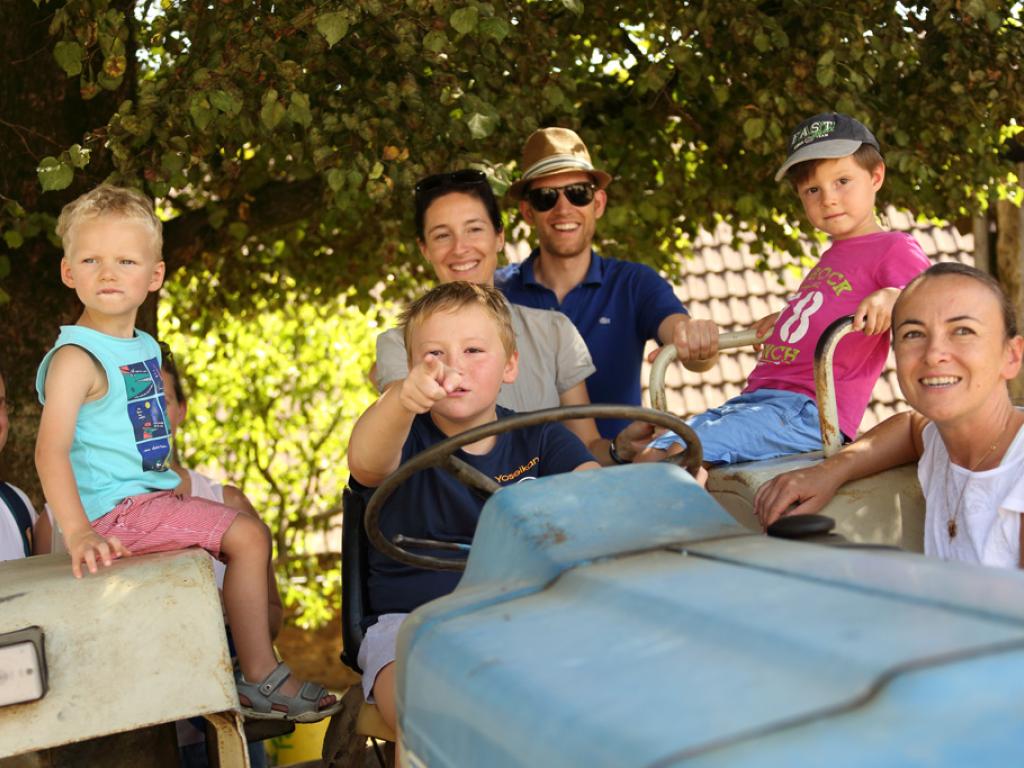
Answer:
(451, 297)
(108, 200)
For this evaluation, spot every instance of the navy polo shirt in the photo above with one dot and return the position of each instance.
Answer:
(617, 308)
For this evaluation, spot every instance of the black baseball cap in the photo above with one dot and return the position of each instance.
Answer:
(826, 136)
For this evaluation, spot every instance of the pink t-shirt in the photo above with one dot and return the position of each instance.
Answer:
(847, 272)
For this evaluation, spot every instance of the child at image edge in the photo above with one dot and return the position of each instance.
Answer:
(104, 443)
(461, 348)
(836, 168)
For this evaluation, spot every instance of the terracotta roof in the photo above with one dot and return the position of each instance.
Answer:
(722, 283)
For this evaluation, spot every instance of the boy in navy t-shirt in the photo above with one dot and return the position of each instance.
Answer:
(461, 349)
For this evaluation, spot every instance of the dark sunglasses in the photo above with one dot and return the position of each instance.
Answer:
(545, 198)
(464, 178)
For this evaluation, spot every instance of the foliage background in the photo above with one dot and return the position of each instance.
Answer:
(270, 409)
(283, 139)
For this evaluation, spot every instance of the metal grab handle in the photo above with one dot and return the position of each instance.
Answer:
(824, 377)
(668, 354)
(825, 383)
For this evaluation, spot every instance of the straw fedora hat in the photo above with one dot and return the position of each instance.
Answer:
(555, 150)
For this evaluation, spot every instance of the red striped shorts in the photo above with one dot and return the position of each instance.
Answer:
(163, 520)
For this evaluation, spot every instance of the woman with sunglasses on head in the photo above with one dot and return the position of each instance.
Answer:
(956, 346)
(460, 232)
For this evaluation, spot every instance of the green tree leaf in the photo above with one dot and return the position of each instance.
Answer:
(226, 102)
(481, 126)
(69, 55)
(464, 20)
(272, 111)
(495, 28)
(298, 109)
(435, 41)
(333, 26)
(79, 157)
(54, 174)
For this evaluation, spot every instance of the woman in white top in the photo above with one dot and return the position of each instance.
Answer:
(956, 345)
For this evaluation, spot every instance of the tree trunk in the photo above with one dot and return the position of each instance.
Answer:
(41, 113)
(1010, 266)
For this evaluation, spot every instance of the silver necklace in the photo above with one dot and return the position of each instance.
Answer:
(951, 526)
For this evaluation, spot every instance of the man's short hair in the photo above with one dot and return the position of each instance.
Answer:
(867, 157)
(451, 297)
(108, 200)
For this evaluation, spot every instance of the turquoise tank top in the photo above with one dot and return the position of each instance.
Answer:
(122, 441)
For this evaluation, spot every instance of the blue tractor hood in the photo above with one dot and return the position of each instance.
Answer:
(621, 617)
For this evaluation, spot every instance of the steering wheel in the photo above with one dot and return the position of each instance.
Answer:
(441, 455)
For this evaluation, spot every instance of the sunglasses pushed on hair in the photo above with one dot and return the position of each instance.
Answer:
(579, 194)
(464, 178)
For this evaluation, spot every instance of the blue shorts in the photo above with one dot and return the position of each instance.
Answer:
(753, 426)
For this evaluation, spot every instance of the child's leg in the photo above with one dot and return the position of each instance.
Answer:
(246, 547)
(384, 694)
(377, 660)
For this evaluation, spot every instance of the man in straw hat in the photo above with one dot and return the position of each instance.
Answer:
(616, 305)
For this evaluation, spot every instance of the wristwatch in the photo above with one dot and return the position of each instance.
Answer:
(615, 454)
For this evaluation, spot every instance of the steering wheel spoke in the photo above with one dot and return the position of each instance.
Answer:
(470, 475)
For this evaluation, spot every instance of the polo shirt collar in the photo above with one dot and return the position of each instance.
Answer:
(594, 276)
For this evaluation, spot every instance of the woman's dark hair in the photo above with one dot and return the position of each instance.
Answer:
(944, 268)
(468, 181)
(171, 367)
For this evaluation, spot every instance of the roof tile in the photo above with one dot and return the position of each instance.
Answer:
(927, 242)
(713, 261)
(736, 284)
(944, 240)
(716, 286)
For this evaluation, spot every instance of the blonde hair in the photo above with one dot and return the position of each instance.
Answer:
(450, 297)
(108, 200)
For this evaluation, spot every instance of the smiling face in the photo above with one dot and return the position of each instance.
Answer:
(469, 341)
(839, 197)
(112, 264)
(565, 231)
(460, 241)
(953, 357)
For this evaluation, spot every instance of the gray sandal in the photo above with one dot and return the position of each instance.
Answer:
(266, 702)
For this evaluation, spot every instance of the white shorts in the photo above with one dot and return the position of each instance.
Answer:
(378, 649)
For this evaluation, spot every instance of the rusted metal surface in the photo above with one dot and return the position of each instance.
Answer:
(668, 355)
(231, 750)
(887, 508)
(136, 644)
(441, 455)
(825, 383)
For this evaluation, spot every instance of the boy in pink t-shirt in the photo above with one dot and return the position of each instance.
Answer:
(836, 168)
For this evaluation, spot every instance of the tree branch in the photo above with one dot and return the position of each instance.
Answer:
(275, 205)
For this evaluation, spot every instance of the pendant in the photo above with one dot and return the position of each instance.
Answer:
(951, 528)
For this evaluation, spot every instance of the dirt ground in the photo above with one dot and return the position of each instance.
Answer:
(313, 655)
